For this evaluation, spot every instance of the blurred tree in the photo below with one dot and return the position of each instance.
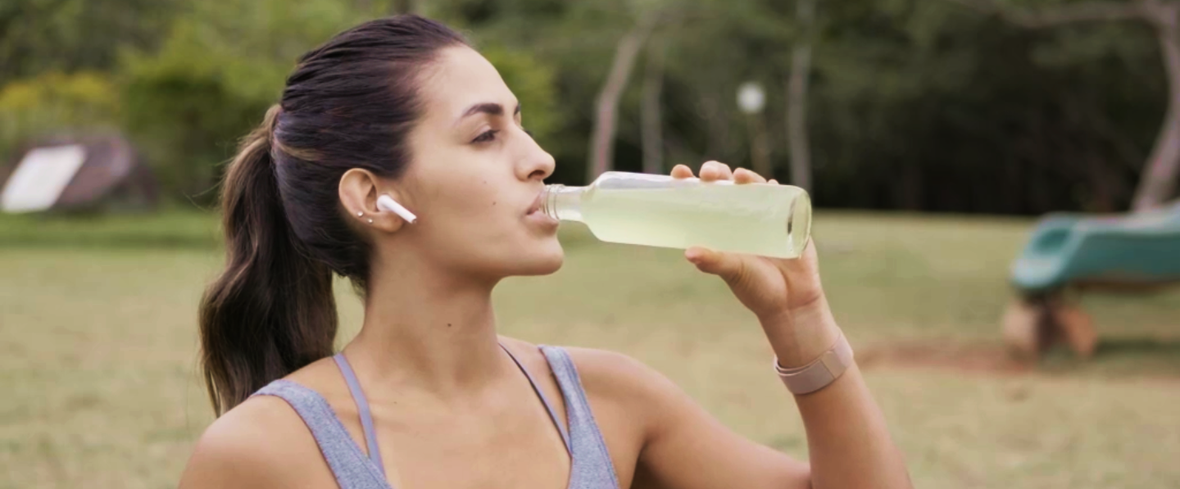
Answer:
(602, 140)
(533, 84)
(797, 96)
(1163, 166)
(68, 35)
(54, 104)
(909, 104)
(405, 7)
(223, 64)
(927, 106)
(651, 113)
(219, 68)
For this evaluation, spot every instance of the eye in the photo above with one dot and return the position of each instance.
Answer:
(487, 136)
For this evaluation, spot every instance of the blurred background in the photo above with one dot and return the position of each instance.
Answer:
(994, 182)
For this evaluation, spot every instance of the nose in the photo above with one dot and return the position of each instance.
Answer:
(535, 163)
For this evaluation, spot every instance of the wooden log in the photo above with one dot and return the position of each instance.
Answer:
(1073, 326)
(1023, 327)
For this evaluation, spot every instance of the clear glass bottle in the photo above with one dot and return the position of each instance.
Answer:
(658, 210)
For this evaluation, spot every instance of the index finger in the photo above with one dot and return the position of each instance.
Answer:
(742, 175)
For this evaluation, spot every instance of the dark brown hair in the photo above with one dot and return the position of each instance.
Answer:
(350, 103)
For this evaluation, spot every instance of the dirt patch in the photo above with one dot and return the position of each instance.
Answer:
(941, 354)
(1140, 359)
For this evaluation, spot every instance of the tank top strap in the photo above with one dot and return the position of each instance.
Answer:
(592, 466)
(565, 438)
(350, 466)
(362, 406)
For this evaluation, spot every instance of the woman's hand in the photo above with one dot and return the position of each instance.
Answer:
(785, 295)
(848, 444)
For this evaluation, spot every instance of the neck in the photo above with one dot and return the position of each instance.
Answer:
(427, 329)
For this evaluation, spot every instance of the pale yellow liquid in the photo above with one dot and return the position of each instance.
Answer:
(758, 219)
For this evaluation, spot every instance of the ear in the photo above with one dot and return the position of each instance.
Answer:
(359, 189)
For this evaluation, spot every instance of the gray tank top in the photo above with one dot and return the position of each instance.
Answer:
(590, 465)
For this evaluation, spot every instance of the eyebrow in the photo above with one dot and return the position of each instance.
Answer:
(488, 108)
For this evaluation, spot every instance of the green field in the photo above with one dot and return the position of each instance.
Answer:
(98, 386)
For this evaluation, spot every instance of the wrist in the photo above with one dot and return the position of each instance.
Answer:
(820, 373)
(799, 336)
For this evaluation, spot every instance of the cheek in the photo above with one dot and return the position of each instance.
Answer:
(454, 189)
(473, 218)
(473, 211)
(479, 204)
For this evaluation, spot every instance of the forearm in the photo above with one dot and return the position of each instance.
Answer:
(848, 441)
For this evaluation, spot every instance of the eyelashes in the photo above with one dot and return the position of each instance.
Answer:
(490, 135)
(487, 136)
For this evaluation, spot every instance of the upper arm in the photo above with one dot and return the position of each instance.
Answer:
(683, 446)
(251, 446)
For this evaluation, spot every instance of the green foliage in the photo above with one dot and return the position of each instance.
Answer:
(928, 105)
(533, 83)
(54, 104)
(70, 35)
(219, 68)
(913, 104)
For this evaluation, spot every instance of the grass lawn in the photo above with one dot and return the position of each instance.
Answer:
(98, 350)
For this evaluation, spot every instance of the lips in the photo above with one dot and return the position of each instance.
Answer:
(536, 206)
(536, 215)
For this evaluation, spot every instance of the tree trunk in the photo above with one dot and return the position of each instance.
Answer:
(1159, 176)
(797, 98)
(759, 146)
(652, 118)
(405, 6)
(602, 141)
(717, 143)
(1158, 180)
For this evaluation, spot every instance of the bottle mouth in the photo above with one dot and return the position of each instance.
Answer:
(549, 199)
(799, 223)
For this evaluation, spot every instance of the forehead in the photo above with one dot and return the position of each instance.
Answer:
(460, 78)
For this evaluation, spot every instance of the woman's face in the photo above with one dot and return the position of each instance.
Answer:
(476, 175)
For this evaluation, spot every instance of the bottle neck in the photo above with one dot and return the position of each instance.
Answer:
(563, 203)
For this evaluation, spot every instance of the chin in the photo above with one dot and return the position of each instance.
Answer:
(543, 260)
(541, 257)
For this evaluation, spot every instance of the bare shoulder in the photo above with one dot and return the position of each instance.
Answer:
(254, 445)
(682, 445)
(617, 382)
(613, 374)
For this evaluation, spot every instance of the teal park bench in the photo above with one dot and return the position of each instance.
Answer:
(1068, 253)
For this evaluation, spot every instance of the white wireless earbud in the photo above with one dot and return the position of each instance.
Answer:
(387, 203)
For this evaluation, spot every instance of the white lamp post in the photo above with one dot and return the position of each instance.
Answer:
(751, 98)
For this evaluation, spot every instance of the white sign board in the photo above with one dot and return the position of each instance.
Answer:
(41, 177)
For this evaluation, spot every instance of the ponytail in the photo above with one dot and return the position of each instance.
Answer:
(271, 311)
(350, 103)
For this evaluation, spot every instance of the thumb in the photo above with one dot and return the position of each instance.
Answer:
(729, 266)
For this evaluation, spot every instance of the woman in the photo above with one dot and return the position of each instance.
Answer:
(428, 395)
